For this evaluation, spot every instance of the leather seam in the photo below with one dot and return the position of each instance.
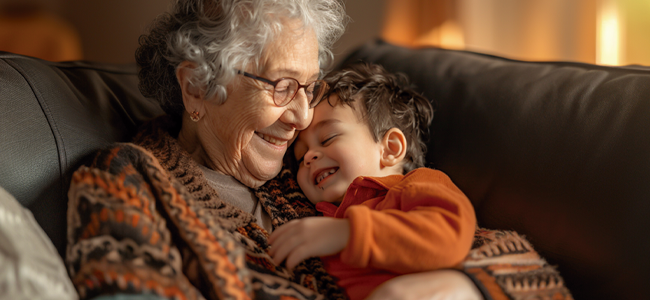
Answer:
(107, 68)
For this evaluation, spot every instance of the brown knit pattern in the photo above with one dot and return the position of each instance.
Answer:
(509, 268)
(127, 225)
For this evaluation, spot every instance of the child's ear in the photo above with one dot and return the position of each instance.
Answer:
(192, 95)
(393, 148)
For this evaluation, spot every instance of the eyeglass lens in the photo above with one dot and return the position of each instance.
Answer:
(287, 88)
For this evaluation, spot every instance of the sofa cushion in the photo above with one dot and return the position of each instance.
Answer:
(558, 151)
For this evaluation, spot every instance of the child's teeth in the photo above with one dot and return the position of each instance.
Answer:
(322, 176)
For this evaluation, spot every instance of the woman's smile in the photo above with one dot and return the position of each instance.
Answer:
(273, 140)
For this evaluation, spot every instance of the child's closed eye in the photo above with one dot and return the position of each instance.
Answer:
(328, 139)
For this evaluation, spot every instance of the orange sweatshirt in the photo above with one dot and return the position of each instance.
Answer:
(399, 224)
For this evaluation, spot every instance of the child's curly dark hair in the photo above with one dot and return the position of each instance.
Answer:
(389, 101)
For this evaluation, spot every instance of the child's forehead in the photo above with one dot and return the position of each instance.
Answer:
(335, 107)
(328, 114)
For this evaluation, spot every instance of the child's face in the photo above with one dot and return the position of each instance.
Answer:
(336, 148)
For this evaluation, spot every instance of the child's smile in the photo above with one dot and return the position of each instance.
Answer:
(321, 175)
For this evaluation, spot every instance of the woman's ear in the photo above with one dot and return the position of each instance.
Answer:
(393, 148)
(192, 95)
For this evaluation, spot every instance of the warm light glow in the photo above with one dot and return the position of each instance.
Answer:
(608, 49)
(451, 35)
(448, 35)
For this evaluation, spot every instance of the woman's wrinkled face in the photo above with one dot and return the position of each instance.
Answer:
(247, 136)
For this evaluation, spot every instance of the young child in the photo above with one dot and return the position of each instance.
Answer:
(379, 223)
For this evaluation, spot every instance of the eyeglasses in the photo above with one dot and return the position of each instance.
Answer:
(285, 89)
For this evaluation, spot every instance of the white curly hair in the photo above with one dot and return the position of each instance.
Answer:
(219, 36)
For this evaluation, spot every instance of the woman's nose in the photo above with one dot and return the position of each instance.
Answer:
(298, 113)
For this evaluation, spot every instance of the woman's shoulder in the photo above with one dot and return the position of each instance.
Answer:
(118, 156)
(153, 140)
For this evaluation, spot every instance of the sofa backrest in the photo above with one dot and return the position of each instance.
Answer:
(52, 115)
(558, 151)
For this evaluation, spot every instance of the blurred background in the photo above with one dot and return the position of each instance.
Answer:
(610, 32)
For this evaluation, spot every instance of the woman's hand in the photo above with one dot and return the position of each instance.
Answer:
(304, 238)
(432, 285)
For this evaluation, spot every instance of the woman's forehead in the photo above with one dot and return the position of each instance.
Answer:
(294, 53)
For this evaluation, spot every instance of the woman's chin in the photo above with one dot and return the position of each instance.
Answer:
(262, 170)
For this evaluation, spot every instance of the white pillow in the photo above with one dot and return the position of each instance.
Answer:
(30, 266)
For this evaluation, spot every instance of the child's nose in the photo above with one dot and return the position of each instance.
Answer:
(311, 157)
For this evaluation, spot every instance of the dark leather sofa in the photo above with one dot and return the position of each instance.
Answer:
(557, 151)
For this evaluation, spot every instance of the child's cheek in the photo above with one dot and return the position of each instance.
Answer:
(302, 179)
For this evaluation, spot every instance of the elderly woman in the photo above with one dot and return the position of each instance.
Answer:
(185, 210)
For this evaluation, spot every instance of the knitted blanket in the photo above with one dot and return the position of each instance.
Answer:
(143, 219)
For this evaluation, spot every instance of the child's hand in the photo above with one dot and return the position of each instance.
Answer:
(304, 238)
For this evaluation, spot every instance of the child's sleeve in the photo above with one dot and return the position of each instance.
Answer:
(432, 229)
